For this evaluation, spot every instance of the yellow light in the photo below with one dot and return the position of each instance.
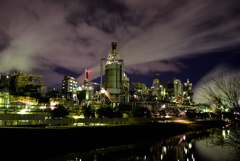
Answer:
(103, 90)
(164, 148)
(23, 111)
(190, 145)
(224, 134)
(77, 117)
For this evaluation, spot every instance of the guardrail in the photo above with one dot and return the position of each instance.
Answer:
(71, 121)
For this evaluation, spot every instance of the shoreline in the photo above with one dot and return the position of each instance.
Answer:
(30, 142)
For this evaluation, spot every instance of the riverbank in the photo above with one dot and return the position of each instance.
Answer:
(41, 143)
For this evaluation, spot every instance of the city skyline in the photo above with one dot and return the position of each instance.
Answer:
(182, 39)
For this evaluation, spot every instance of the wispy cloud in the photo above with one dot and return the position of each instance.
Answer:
(46, 35)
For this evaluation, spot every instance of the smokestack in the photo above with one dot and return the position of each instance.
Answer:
(114, 45)
(86, 76)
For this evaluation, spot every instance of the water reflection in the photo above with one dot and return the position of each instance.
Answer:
(188, 147)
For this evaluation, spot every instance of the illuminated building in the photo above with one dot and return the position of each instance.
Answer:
(188, 88)
(32, 82)
(18, 82)
(175, 90)
(158, 89)
(28, 101)
(188, 91)
(4, 100)
(69, 84)
(116, 81)
(140, 91)
(140, 87)
(86, 91)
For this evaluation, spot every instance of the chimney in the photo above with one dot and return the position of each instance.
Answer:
(114, 45)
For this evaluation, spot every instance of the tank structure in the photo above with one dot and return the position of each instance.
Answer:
(158, 89)
(116, 81)
(175, 90)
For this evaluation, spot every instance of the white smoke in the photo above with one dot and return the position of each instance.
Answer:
(46, 35)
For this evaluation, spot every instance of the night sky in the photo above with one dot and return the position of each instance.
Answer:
(182, 39)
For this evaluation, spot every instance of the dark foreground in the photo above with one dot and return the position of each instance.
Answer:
(41, 144)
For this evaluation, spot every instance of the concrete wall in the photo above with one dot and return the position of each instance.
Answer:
(22, 116)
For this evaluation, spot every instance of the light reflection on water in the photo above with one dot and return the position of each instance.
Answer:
(192, 146)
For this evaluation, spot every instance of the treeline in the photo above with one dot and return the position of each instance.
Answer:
(219, 115)
(117, 112)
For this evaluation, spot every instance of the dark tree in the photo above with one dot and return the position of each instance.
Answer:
(88, 112)
(100, 112)
(108, 112)
(141, 112)
(223, 91)
(118, 113)
(58, 112)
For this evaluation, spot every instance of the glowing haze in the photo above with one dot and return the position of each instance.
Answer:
(45, 36)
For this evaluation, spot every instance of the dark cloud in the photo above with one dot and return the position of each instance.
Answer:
(74, 35)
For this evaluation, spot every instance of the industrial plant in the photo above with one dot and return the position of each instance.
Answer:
(25, 94)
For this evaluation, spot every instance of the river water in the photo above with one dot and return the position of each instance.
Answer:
(191, 146)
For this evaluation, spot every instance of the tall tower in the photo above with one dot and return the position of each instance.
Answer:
(175, 88)
(178, 88)
(156, 87)
(188, 89)
(116, 81)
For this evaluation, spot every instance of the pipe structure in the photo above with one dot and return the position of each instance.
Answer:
(103, 59)
(122, 71)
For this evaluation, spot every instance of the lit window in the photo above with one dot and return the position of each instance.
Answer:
(63, 80)
(63, 87)
(70, 84)
(70, 80)
(70, 90)
(70, 87)
(63, 84)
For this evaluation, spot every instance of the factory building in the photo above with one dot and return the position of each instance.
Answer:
(175, 90)
(69, 84)
(86, 91)
(188, 91)
(69, 87)
(116, 81)
(17, 82)
(158, 89)
(188, 88)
